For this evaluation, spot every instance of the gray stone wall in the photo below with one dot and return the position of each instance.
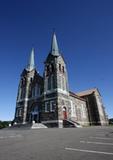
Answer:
(79, 111)
(101, 110)
(63, 102)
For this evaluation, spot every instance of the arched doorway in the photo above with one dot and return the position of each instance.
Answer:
(64, 113)
(35, 114)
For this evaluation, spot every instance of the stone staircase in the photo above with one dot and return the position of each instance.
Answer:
(38, 125)
(68, 123)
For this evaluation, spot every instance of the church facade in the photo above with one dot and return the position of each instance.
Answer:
(48, 100)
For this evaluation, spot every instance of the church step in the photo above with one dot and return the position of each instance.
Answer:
(38, 125)
(71, 123)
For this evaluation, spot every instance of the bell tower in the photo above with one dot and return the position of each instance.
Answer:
(56, 91)
(24, 91)
(55, 73)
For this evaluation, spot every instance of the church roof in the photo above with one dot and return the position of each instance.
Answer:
(87, 92)
(76, 96)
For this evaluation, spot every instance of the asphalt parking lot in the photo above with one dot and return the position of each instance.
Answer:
(57, 144)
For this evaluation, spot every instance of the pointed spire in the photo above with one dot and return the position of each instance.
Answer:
(31, 64)
(54, 46)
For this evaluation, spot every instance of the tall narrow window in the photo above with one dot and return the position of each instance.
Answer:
(47, 107)
(59, 67)
(52, 82)
(63, 69)
(20, 112)
(52, 67)
(22, 96)
(33, 92)
(47, 70)
(52, 106)
(19, 93)
(49, 83)
(37, 90)
(31, 79)
(46, 83)
(23, 93)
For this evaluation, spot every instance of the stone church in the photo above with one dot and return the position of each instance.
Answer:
(47, 99)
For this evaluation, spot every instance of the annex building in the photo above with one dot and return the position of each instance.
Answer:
(49, 101)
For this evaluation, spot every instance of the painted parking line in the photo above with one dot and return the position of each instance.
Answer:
(11, 136)
(101, 138)
(15, 136)
(101, 134)
(1, 137)
(88, 151)
(101, 143)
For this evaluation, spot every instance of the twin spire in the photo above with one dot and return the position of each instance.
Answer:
(54, 46)
(31, 63)
(54, 51)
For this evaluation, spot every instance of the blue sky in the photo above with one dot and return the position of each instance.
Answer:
(84, 31)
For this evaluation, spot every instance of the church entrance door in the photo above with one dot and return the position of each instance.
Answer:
(35, 115)
(64, 113)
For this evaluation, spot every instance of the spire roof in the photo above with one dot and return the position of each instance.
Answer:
(31, 63)
(54, 46)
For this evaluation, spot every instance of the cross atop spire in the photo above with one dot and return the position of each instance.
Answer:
(31, 64)
(54, 46)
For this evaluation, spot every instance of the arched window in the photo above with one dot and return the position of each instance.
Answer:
(47, 106)
(19, 112)
(31, 79)
(37, 90)
(52, 68)
(53, 82)
(19, 93)
(63, 69)
(52, 106)
(47, 70)
(59, 67)
(33, 92)
(22, 93)
(49, 83)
